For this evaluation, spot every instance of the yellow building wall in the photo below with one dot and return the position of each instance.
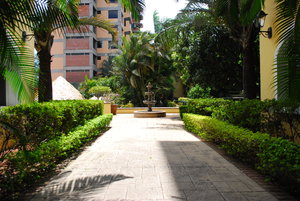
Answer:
(267, 53)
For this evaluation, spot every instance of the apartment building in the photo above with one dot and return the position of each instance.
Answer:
(77, 55)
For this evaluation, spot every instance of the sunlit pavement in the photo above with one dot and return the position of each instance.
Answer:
(151, 159)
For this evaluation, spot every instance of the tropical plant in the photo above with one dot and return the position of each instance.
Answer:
(198, 92)
(66, 16)
(238, 16)
(144, 60)
(136, 61)
(16, 58)
(42, 17)
(203, 52)
(99, 91)
(288, 58)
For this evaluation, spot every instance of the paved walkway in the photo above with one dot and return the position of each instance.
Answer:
(151, 159)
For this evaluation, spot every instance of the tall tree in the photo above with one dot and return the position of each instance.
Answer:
(238, 16)
(157, 23)
(42, 17)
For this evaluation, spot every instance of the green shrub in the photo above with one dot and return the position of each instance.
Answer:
(245, 113)
(99, 90)
(171, 104)
(38, 122)
(278, 118)
(198, 92)
(28, 166)
(275, 157)
(202, 106)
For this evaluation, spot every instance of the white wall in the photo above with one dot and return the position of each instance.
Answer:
(11, 97)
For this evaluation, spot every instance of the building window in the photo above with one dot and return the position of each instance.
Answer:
(127, 33)
(84, 4)
(98, 12)
(112, 14)
(99, 44)
(112, 45)
(113, 1)
(95, 12)
(98, 57)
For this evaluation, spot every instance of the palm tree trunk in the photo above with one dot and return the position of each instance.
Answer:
(45, 80)
(249, 84)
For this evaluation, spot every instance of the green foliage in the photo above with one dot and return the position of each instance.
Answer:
(246, 113)
(40, 122)
(129, 104)
(144, 60)
(30, 165)
(275, 157)
(202, 106)
(287, 63)
(204, 53)
(112, 82)
(278, 118)
(198, 92)
(99, 90)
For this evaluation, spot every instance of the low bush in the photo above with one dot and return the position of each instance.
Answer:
(202, 106)
(276, 157)
(34, 123)
(278, 118)
(245, 113)
(28, 166)
(198, 92)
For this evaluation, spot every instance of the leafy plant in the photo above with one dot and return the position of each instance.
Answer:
(57, 117)
(198, 92)
(275, 157)
(29, 166)
(99, 91)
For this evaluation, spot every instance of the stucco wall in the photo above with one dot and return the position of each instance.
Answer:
(267, 53)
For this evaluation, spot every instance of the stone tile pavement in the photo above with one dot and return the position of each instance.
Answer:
(147, 160)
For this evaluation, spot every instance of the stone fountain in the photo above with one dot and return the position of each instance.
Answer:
(150, 102)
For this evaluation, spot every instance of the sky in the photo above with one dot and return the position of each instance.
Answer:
(165, 9)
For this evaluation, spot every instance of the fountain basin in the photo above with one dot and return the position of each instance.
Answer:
(146, 114)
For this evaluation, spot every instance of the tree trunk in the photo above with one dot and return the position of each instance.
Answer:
(45, 80)
(249, 83)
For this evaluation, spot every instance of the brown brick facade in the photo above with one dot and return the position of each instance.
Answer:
(77, 44)
(77, 60)
(83, 10)
(76, 76)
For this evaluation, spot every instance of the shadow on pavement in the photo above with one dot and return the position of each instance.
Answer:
(79, 188)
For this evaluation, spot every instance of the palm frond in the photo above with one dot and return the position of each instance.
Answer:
(100, 23)
(287, 62)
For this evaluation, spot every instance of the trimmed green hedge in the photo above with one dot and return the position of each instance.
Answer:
(278, 118)
(201, 106)
(28, 166)
(275, 157)
(35, 123)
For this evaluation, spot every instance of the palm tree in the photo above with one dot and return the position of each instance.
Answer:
(66, 16)
(238, 16)
(42, 17)
(16, 59)
(288, 58)
(136, 61)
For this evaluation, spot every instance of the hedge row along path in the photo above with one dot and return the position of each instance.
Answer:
(152, 159)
